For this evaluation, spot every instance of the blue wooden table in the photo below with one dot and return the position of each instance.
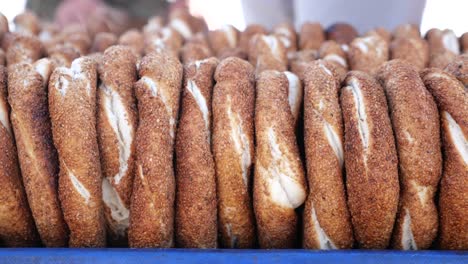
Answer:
(143, 256)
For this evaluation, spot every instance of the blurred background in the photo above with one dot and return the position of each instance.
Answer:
(441, 14)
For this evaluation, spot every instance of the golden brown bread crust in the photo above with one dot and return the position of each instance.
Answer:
(413, 50)
(416, 127)
(186, 25)
(184, 14)
(441, 40)
(80, 41)
(333, 53)
(134, 39)
(27, 94)
(233, 149)
(48, 31)
(152, 204)
(2, 57)
(367, 54)
(267, 52)
(17, 228)
(95, 57)
(342, 33)
(441, 59)
(3, 26)
(27, 23)
(74, 35)
(199, 24)
(117, 119)
(102, 41)
(459, 68)
(371, 161)
(166, 39)
(287, 34)
(463, 42)
(448, 92)
(311, 36)
(196, 208)
(381, 32)
(452, 198)
(72, 106)
(223, 39)
(194, 51)
(327, 223)
(8, 39)
(331, 47)
(443, 47)
(154, 23)
(246, 35)
(236, 52)
(62, 55)
(199, 38)
(279, 182)
(299, 60)
(406, 31)
(26, 48)
(452, 99)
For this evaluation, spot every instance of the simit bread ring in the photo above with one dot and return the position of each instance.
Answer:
(287, 34)
(102, 41)
(452, 99)
(371, 161)
(223, 40)
(413, 50)
(166, 39)
(367, 53)
(267, 52)
(333, 53)
(196, 208)
(463, 42)
(459, 68)
(117, 122)
(192, 51)
(311, 36)
(27, 23)
(342, 33)
(134, 39)
(27, 89)
(17, 227)
(443, 47)
(250, 31)
(26, 48)
(233, 149)
(299, 60)
(279, 183)
(327, 223)
(152, 202)
(406, 31)
(416, 127)
(72, 106)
